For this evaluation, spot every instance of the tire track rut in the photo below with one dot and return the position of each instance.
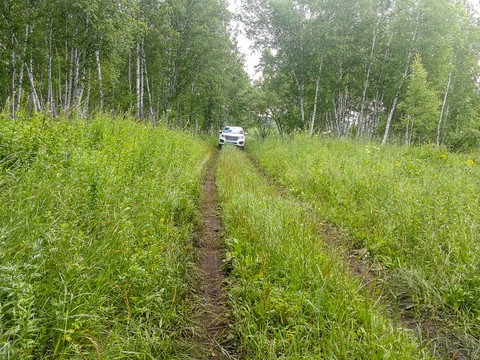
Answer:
(212, 318)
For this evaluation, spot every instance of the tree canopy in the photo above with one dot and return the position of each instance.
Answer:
(343, 67)
(172, 61)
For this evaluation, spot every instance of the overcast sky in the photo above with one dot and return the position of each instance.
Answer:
(252, 58)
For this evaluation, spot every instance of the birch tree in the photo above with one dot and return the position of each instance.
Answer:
(366, 50)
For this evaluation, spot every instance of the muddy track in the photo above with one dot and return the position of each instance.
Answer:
(212, 318)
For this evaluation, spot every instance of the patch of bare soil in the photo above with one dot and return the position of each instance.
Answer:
(212, 319)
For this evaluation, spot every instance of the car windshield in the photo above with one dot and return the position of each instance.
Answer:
(233, 130)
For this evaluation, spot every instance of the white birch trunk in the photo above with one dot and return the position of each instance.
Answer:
(69, 83)
(89, 87)
(20, 88)
(14, 80)
(443, 108)
(315, 101)
(300, 88)
(377, 115)
(20, 77)
(149, 93)
(35, 100)
(65, 96)
(50, 100)
(139, 112)
(76, 77)
(142, 89)
(99, 73)
(445, 126)
(130, 70)
(81, 87)
(59, 85)
(335, 114)
(390, 116)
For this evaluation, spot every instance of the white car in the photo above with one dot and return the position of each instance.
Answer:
(232, 135)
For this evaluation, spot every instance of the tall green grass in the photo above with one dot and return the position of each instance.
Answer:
(416, 211)
(95, 238)
(291, 298)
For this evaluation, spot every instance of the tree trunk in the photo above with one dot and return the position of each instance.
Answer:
(445, 126)
(59, 85)
(89, 87)
(50, 100)
(190, 112)
(130, 70)
(76, 78)
(149, 93)
(443, 108)
(317, 85)
(390, 115)
(69, 84)
(376, 120)
(14, 80)
(300, 88)
(139, 100)
(20, 77)
(409, 131)
(36, 102)
(81, 87)
(100, 82)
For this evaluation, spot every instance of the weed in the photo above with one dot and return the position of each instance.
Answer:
(415, 209)
(95, 239)
(290, 296)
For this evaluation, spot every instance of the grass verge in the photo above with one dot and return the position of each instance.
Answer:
(291, 297)
(415, 211)
(95, 238)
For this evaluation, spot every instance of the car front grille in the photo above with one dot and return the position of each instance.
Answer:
(231, 138)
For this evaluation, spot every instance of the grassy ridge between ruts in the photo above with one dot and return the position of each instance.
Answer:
(416, 211)
(95, 238)
(290, 297)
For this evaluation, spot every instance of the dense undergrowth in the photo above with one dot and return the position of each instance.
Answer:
(291, 297)
(95, 238)
(415, 210)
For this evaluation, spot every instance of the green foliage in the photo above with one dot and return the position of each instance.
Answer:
(416, 211)
(291, 296)
(95, 238)
(171, 61)
(342, 65)
(421, 107)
